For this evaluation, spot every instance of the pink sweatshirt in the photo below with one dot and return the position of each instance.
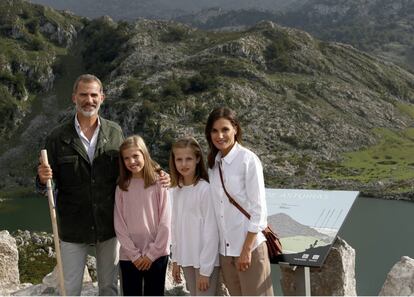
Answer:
(142, 220)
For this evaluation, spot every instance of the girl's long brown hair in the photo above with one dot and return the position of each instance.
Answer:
(200, 173)
(216, 114)
(149, 170)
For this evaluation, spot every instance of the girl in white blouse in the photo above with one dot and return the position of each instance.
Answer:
(243, 252)
(194, 233)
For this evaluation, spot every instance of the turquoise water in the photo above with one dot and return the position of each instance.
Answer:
(379, 230)
(30, 213)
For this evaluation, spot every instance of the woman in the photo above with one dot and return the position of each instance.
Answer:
(243, 251)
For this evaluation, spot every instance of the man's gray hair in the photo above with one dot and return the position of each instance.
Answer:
(87, 78)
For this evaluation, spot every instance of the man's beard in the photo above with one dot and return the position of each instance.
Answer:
(88, 113)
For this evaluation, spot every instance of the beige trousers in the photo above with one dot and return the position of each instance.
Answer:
(256, 281)
(192, 274)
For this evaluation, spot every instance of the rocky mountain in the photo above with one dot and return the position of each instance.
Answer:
(382, 27)
(303, 102)
(286, 226)
(31, 37)
(318, 114)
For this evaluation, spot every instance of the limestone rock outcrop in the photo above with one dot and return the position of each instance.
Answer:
(400, 279)
(9, 269)
(49, 286)
(335, 278)
(9, 259)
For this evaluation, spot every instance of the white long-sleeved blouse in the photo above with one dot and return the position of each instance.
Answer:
(194, 233)
(243, 178)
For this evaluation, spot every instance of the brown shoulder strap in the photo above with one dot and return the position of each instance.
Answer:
(232, 201)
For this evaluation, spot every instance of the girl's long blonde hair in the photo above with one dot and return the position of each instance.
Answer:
(150, 166)
(200, 172)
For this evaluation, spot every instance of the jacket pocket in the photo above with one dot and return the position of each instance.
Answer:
(68, 170)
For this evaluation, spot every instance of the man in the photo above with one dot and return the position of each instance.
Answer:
(83, 157)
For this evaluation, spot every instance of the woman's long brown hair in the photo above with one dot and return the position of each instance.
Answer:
(149, 173)
(216, 114)
(200, 173)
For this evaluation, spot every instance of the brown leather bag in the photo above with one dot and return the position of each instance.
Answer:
(274, 246)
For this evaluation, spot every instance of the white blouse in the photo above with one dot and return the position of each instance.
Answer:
(194, 233)
(243, 178)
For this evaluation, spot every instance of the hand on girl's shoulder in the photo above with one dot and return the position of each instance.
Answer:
(161, 187)
(164, 178)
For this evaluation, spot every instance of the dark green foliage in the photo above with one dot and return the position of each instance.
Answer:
(104, 42)
(34, 260)
(175, 89)
(174, 34)
(397, 88)
(147, 92)
(58, 67)
(27, 13)
(37, 44)
(172, 89)
(200, 114)
(33, 269)
(148, 109)
(132, 89)
(277, 52)
(168, 137)
(8, 108)
(199, 83)
(33, 26)
(14, 83)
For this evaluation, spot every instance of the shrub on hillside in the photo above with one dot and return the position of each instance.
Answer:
(132, 89)
(104, 42)
(174, 34)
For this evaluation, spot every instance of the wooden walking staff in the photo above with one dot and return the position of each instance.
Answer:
(54, 226)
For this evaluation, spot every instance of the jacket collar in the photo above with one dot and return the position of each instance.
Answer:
(103, 137)
(71, 137)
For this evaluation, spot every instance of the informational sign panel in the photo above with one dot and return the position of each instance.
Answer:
(307, 222)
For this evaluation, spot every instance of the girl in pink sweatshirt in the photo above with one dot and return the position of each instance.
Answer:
(142, 221)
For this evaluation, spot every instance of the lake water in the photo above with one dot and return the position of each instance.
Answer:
(379, 230)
